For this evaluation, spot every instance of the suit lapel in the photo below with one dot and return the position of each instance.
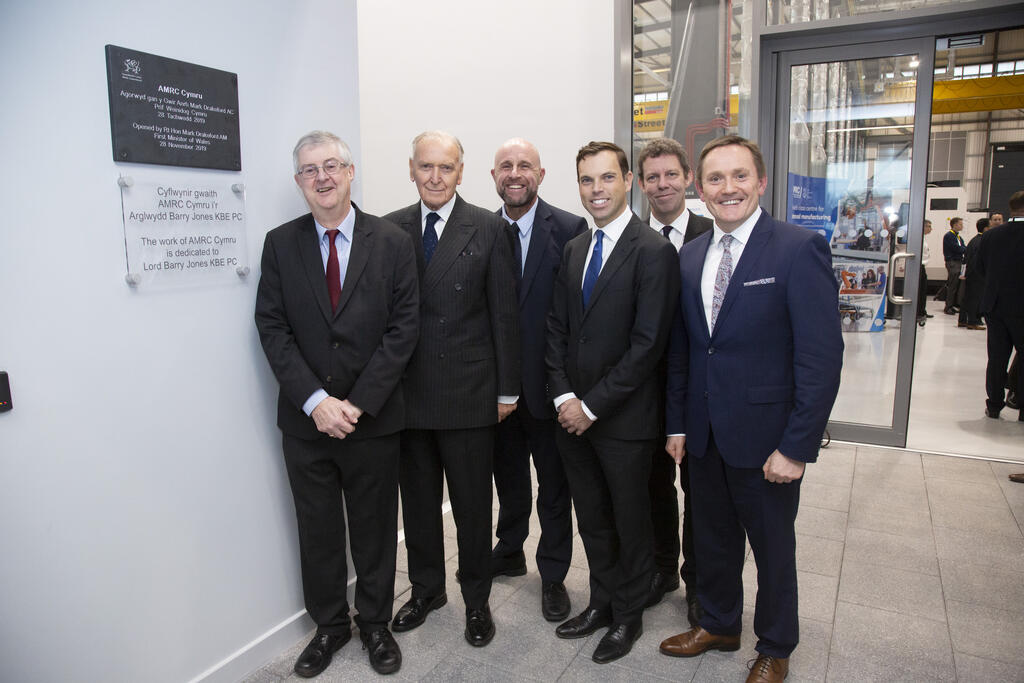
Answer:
(412, 223)
(454, 237)
(539, 238)
(752, 251)
(578, 259)
(620, 252)
(693, 270)
(358, 255)
(313, 263)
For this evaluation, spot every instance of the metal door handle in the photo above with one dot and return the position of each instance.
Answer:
(897, 300)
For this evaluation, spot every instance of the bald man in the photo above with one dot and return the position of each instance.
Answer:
(537, 233)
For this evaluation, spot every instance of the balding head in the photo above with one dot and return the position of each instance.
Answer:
(517, 175)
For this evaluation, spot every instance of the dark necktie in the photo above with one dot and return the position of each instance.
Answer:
(517, 248)
(667, 231)
(593, 268)
(333, 270)
(430, 236)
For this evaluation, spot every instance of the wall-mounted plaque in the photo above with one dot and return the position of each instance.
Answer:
(163, 111)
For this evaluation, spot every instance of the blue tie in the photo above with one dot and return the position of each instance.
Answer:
(430, 236)
(593, 268)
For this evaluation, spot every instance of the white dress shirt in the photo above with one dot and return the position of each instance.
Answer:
(741, 236)
(444, 212)
(678, 228)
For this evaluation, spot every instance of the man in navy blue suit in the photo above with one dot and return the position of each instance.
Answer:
(754, 369)
(537, 233)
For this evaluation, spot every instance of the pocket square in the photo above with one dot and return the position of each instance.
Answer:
(762, 281)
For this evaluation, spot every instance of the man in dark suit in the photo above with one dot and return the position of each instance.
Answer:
(537, 232)
(664, 174)
(953, 249)
(337, 310)
(972, 282)
(1001, 263)
(754, 369)
(463, 379)
(607, 330)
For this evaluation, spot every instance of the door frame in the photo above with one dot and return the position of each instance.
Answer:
(842, 40)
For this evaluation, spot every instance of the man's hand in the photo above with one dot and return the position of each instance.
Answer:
(506, 409)
(352, 411)
(572, 417)
(332, 419)
(676, 447)
(779, 469)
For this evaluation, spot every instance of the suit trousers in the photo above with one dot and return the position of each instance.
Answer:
(665, 517)
(922, 293)
(516, 437)
(728, 501)
(952, 284)
(1004, 335)
(609, 479)
(463, 457)
(366, 470)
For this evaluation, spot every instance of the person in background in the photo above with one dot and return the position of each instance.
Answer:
(953, 253)
(972, 282)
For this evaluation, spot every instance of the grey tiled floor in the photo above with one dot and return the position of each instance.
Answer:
(911, 568)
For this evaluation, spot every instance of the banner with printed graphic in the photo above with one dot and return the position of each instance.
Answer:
(861, 294)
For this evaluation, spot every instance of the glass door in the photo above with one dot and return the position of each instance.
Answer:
(850, 159)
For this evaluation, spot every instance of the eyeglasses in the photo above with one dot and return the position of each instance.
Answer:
(331, 167)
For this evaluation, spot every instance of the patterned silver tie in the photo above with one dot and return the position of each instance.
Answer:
(721, 279)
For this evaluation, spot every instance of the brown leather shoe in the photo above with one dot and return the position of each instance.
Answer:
(975, 327)
(768, 669)
(698, 641)
(1019, 478)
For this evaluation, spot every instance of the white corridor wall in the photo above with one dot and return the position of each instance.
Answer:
(146, 526)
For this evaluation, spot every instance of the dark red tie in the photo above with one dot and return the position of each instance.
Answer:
(333, 270)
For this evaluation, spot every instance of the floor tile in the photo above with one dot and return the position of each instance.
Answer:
(985, 632)
(988, 494)
(867, 642)
(819, 555)
(823, 523)
(957, 469)
(986, 549)
(825, 496)
(976, 518)
(915, 554)
(895, 590)
(982, 585)
(971, 669)
(890, 519)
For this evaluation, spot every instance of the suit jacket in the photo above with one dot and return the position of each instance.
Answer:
(552, 228)
(357, 352)
(953, 246)
(696, 226)
(607, 354)
(468, 350)
(1001, 263)
(767, 377)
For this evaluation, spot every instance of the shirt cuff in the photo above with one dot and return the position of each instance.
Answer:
(559, 400)
(508, 400)
(586, 411)
(313, 401)
(668, 435)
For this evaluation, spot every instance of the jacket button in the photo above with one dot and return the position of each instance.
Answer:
(458, 287)
(583, 340)
(705, 394)
(442, 321)
(440, 355)
(335, 345)
(711, 350)
(329, 378)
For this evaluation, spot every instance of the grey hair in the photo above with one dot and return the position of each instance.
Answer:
(321, 137)
(440, 136)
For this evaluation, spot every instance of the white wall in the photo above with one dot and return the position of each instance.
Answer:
(146, 526)
(484, 71)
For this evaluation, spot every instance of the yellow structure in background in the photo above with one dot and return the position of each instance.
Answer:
(978, 94)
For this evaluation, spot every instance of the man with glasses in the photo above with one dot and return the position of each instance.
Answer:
(337, 311)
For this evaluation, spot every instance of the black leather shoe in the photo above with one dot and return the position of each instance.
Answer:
(584, 623)
(661, 583)
(385, 655)
(508, 565)
(414, 612)
(554, 601)
(479, 626)
(1011, 400)
(693, 609)
(317, 655)
(617, 642)
(994, 414)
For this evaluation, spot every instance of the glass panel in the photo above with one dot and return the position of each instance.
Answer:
(707, 47)
(850, 140)
(800, 11)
